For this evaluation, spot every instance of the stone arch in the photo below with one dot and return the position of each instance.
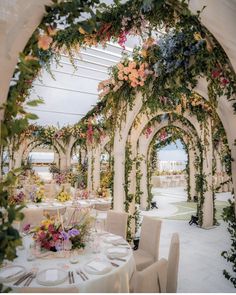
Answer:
(143, 147)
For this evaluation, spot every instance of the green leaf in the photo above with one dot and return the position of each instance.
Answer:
(31, 116)
(35, 102)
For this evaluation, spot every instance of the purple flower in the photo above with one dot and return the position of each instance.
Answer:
(64, 235)
(26, 227)
(73, 232)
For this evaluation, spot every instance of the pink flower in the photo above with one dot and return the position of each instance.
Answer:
(148, 132)
(26, 227)
(215, 74)
(224, 81)
(122, 39)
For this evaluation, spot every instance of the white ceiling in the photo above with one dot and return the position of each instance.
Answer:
(73, 92)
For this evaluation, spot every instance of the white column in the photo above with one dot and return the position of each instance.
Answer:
(120, 138)
(207, 170)
(89, 179)
(192, 173)
(96, 168)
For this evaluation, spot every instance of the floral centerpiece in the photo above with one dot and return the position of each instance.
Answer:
(84, 194)
(18, 198)
(37, 195)
(51, 235)
(63, 196)
(102, 192)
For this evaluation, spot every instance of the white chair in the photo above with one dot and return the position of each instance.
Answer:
(173, 265)
(101, 214)
(152, 279)
(148, 250)
(32, 216)
(117, 223)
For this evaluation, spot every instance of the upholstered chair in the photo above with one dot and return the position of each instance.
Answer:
(173, 265)
(116, 223)
(152, 279)
(148, 251)
(32, 216)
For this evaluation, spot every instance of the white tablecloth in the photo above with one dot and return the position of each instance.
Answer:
(116, 280)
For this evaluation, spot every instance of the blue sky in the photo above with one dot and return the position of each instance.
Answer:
(173, 152)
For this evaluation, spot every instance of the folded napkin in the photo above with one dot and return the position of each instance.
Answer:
(97, 265)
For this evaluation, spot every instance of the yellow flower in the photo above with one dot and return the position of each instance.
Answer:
(197, 36)
(82, 31)
(144, 53)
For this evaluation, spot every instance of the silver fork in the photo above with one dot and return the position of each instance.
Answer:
(30, 279)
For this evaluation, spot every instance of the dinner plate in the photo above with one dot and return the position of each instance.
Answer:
(116, 252)
(97, 267)
(11, 273)
(112, 239)
(51, 276)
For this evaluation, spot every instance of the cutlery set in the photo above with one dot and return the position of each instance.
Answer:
(71, 277)
(83, 276)
(23, 278)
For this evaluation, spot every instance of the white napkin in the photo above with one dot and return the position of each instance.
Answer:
(51, 275)
(96, 265)
(116, 250)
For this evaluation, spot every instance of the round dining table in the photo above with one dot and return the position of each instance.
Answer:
(98, 251)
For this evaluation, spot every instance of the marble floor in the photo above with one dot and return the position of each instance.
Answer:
(201, 264)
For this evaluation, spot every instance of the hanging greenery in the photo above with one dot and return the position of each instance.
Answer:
(163, 71)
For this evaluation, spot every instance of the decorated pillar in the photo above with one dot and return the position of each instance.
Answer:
(207, 208)
(89, 179)
(96, 168)
(192, 172)
(120, 138)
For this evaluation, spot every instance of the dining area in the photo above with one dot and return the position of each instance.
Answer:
(82, 256)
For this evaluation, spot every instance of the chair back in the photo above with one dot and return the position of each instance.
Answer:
(152, 279)
(117, 223)
(150, 236)
(173, 264)
(102, 207)
(32, 216)
(54, 212)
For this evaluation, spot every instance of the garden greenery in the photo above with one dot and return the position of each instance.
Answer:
(165, 71)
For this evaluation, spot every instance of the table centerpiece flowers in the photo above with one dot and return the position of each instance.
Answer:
(37, 195)
(17, 199)
(63, 196)
(53, 236)
(102, 192)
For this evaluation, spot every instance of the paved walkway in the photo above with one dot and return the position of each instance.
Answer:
(201, 264)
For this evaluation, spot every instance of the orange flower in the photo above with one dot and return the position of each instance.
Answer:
(120, 66)
(51, 31)
(126, 70)
(44, 42)
(82, 31)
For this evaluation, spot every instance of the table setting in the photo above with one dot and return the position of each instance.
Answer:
(73, 259)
